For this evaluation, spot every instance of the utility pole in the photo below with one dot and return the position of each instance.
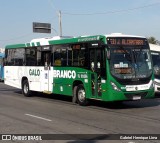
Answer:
(60, 23)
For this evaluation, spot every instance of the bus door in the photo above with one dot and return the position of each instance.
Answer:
(97, 66)
(47, 80)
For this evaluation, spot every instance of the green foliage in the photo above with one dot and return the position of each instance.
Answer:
(152, 40)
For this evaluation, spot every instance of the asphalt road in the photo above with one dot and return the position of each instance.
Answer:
(55, 114)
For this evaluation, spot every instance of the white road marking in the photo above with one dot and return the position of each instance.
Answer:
(38, 117)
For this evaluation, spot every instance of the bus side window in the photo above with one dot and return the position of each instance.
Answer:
(31, 57)
(77, 55)
(60, 55)
(57, 59)
(15, 57)
(39, 62)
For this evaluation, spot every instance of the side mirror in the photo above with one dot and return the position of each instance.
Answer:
(108, 54)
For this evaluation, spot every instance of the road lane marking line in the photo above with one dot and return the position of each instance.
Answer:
(38, 117)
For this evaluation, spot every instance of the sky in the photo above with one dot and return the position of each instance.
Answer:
(79, 17)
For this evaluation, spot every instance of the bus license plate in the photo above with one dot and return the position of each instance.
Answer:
(136, 97)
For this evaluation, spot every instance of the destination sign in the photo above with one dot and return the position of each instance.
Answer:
(126, 41)
(76, 47)
(123, 71)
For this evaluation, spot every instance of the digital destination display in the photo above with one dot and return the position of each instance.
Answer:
(126, 41)
(76, 47)
(123, 71)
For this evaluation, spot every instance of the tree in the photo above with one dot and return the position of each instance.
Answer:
(152, 40)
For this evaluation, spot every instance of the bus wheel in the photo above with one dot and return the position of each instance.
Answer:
(25, 88)
(81, 95)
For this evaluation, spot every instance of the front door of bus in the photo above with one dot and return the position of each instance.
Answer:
(97, 66)
(47, 78)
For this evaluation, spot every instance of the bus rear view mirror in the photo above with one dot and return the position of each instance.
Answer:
(156, 70)
(108, 54)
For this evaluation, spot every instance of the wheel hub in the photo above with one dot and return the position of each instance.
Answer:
(81, 95)
(25, 88)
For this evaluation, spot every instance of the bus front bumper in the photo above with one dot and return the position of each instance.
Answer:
(157, 85)
(123, 96)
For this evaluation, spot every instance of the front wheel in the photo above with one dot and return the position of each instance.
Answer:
(81, 95)
(25, 88)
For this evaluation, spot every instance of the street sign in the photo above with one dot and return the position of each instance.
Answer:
(41, 27)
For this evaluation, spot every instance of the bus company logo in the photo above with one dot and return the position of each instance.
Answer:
(6, 137)
(64, 74)
(34, 72)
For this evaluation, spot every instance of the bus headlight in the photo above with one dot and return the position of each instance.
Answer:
(114, 86)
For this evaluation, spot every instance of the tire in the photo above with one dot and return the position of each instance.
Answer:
(25, 88)
(81, 95)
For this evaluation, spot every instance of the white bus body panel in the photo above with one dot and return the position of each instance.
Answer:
(157, 85)
(11, 76)
(37, 77)
(48, 80)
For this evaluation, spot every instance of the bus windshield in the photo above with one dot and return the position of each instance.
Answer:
(130, 62)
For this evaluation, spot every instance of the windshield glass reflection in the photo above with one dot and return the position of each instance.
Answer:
(130, 62)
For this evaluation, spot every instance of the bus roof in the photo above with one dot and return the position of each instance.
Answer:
(154, 47)
(36, 42)
(55, 40)
(66, 40)
(123, 35)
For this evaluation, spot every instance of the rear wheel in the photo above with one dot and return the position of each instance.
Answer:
(81, 95)
(25, 88)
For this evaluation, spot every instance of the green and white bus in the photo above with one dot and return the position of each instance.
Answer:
(155, 53)
(113, 67)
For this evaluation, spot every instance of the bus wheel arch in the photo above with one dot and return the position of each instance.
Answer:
(25, 87)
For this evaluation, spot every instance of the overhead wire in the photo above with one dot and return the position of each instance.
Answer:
(53, 6)
(87, 14)
(110, 12)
